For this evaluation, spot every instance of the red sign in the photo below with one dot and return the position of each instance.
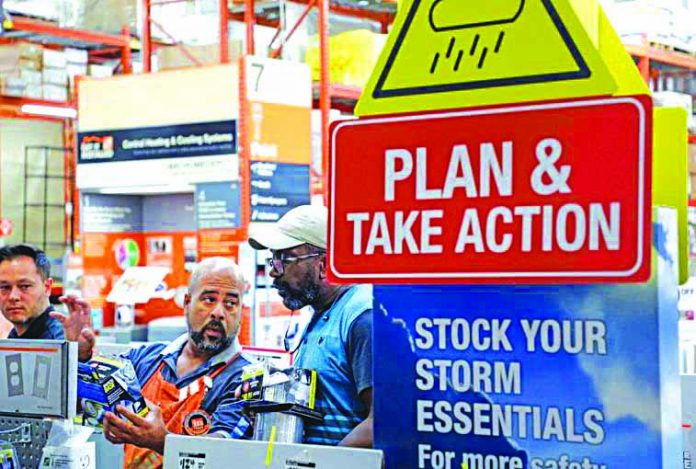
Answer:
(5, 227)
(538, 193)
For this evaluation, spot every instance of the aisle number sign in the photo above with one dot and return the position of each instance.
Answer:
(448, 53)
(540, 193)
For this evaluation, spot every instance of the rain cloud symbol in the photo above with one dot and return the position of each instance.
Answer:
(448, 15)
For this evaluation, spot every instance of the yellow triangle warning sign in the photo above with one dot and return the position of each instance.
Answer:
(443, 54)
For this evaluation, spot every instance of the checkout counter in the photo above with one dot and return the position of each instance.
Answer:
(38, 400)
(214, 453)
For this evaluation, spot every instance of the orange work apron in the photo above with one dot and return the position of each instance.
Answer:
(174, 407)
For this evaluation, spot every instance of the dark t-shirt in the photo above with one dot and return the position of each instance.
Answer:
(359, 350)
(43, 327)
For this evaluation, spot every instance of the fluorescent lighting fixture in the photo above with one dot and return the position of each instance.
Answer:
(156, 189)
(49, 111)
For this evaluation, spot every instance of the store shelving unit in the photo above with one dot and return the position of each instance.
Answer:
(99, 46)
(326, 94)
(653, 62)
(650, 58)
(52, 35)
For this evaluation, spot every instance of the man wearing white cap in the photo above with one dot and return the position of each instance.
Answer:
(337, 343)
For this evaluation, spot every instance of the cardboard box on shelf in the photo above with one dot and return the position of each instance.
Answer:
(55, 92)
(31, 77)
(34, 91)
(54, 58)
(15, 68)
(174, 57)
(55, 76)
(76, 56)
(664, 22)
(13, 92)
(692, 158)
(26, 50)
(12, 86)
(76, 70)
(10, 81)
(100, 71)
(107, 16)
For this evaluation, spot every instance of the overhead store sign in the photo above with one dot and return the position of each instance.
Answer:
(103, 213)
(218, 205)
(167, 141)
(447, 53)
(276, 188)
(542, 193)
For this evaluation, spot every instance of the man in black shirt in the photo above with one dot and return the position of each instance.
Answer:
(25, 287)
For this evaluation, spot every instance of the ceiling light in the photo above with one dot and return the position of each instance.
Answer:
(49, 111)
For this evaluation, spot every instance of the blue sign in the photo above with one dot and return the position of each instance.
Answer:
(168, 213)
(276, 188)
(102, 213)
(218, 205)
(169, 141)
(572, 377)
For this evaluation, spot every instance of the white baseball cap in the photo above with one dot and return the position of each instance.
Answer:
(305, 224)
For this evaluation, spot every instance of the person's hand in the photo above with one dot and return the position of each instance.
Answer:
(76, 325)
(146, 432)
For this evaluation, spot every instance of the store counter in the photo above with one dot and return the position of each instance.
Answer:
(216, 453)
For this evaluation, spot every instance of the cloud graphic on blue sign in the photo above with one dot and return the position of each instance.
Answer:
(624, 379)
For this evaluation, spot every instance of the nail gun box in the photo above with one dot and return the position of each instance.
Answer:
(102, 384)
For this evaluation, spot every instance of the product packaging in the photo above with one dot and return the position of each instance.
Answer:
(103, 383)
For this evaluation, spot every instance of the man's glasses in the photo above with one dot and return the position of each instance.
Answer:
(279, 263)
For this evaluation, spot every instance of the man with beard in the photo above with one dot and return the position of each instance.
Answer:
(189, 384)
(337, 342)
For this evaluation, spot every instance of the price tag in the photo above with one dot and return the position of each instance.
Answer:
(191, 461)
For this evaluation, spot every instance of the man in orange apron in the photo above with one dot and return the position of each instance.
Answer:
(190, 384)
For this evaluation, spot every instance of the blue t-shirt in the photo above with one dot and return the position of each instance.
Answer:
(338, 345)
(219, 401)
(43, 327)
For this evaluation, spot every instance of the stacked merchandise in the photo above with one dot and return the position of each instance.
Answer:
(668, 23)
(174, 57)
(107, 16)
(76, 64)
(55, 75)
(100, 70)
(20, 70)
(29, 70)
